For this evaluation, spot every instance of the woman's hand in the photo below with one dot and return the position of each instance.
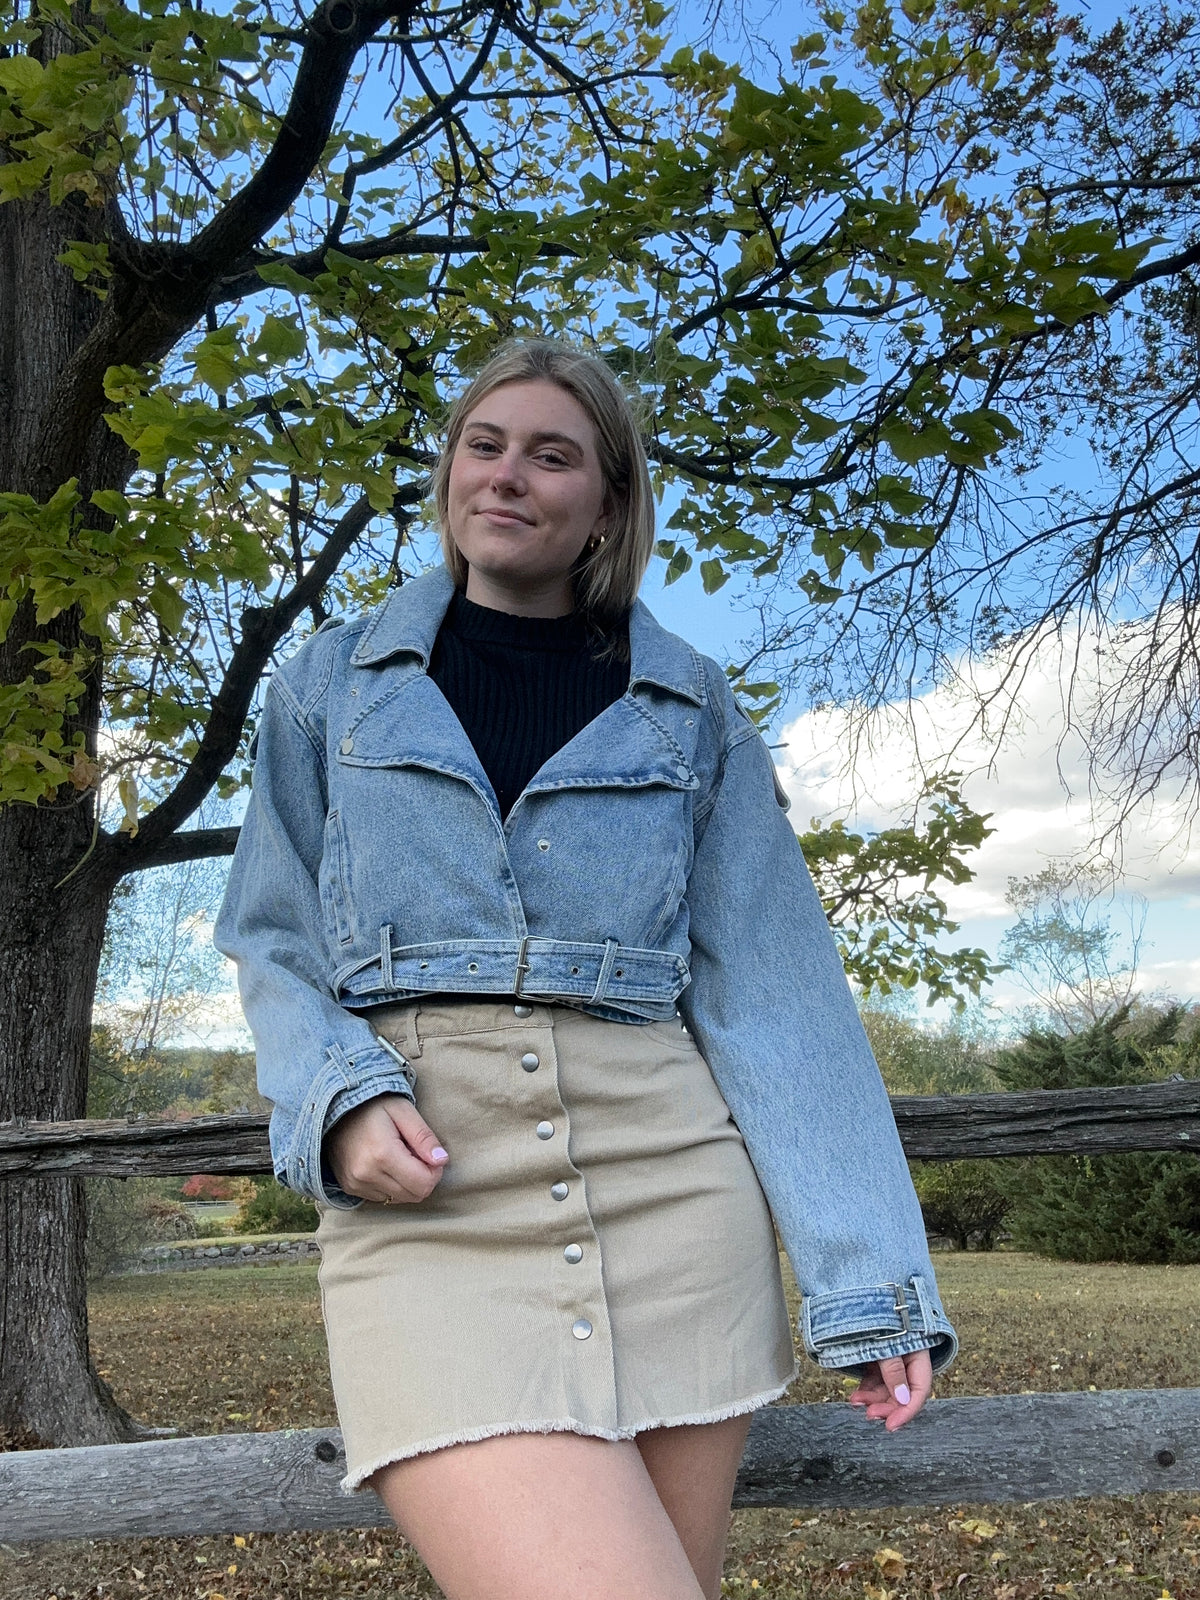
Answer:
(385, 1151)
(895, 1389)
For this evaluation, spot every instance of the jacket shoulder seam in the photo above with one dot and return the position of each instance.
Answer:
(298, 715)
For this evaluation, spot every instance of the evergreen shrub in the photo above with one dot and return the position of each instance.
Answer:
(1134, 1206)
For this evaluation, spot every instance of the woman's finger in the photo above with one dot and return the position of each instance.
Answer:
(416, 1132)
(894, 1374)
(403, 1176)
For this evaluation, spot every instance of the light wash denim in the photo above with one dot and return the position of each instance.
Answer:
(647, 868)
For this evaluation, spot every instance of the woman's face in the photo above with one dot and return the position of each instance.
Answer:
(525, 495)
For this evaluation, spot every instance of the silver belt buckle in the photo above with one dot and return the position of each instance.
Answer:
(522, 966)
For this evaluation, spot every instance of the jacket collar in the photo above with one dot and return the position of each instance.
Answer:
(408, 622)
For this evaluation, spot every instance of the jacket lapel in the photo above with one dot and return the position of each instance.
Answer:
(409, 723)
(623, 748)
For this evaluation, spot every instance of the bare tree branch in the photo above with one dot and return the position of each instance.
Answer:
(194, 844)
(262, 629)
(336, 32)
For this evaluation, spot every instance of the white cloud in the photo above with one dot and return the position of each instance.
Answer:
(1033, 779)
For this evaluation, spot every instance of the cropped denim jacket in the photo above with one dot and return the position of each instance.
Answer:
(648, 868)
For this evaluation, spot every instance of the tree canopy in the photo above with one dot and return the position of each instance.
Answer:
(292, 234)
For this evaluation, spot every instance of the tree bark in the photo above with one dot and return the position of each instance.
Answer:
(50, 932)
(49, 950)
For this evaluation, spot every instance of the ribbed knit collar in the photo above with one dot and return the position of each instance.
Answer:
(408, 620)
(486, 626)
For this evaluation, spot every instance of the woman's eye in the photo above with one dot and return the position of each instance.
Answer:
(482, 444)
(553, 459)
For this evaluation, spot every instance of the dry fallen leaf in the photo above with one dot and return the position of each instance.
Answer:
(974, 1529)
(890, 1563)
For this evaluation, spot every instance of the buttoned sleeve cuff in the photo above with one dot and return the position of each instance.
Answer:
(850, 1328)
(344, 1082)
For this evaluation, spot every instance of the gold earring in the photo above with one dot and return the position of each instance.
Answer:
(595, 542)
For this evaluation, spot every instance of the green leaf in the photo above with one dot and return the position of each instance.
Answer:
(713, 575)
(19, 74)
(679, 563)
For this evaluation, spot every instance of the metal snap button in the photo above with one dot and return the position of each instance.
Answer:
(530, 1062)
(545, 1130)
(682, 772)
(522, 1011)
(543, 844)
(573, 1253)
(472, 966)
(347, 746)
(559, 1191)
(581, 1328)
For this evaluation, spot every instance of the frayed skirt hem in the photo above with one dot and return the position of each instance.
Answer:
(357, 1479)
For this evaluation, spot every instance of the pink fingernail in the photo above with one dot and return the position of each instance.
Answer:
(902, 1394)
(438, 1154)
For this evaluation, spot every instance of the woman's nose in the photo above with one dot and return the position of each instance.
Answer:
(508, 472)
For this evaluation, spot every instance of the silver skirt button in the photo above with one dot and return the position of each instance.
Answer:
(545, 1130)
(581, 1328)
(530, 1062)
(522, 1011)
(573, 1253)
(559, 1191)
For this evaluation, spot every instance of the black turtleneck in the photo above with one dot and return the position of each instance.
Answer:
(522, 687)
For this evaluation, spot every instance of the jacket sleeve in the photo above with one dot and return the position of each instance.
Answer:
(771, 1010)
(316, 1060)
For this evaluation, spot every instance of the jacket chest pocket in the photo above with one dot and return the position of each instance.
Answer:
(612, 858)
(334, 883)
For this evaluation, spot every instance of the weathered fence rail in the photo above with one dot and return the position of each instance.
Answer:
(1156, 1116)
(1013, 1447)
(1020, 1447)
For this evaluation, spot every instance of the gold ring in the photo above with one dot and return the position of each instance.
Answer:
(387, 1199)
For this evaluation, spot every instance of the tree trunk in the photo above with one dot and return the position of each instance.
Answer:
(50, 936)
(50, 939)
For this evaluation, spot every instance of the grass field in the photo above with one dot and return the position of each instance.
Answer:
(235, 1351)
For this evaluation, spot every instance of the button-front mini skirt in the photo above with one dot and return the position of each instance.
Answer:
(598, 1256)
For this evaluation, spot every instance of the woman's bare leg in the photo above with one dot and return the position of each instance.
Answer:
(532, 1516)
(693, 1470)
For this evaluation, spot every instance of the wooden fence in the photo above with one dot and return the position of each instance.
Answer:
(1007, 1448)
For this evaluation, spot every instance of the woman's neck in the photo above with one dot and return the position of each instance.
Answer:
(552, 597)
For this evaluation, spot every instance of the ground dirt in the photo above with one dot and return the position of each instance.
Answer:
(236, 1351)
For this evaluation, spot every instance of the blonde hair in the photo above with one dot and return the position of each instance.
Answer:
(607, 578)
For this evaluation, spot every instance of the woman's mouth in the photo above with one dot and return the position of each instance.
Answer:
(502, 514)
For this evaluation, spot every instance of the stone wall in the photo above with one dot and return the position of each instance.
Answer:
(187, 1257)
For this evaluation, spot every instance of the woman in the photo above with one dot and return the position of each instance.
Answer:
(515, 857)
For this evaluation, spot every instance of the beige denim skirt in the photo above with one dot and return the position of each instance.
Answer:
(597, 1258)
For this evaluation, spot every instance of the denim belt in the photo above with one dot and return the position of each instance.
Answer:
(545, 968)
